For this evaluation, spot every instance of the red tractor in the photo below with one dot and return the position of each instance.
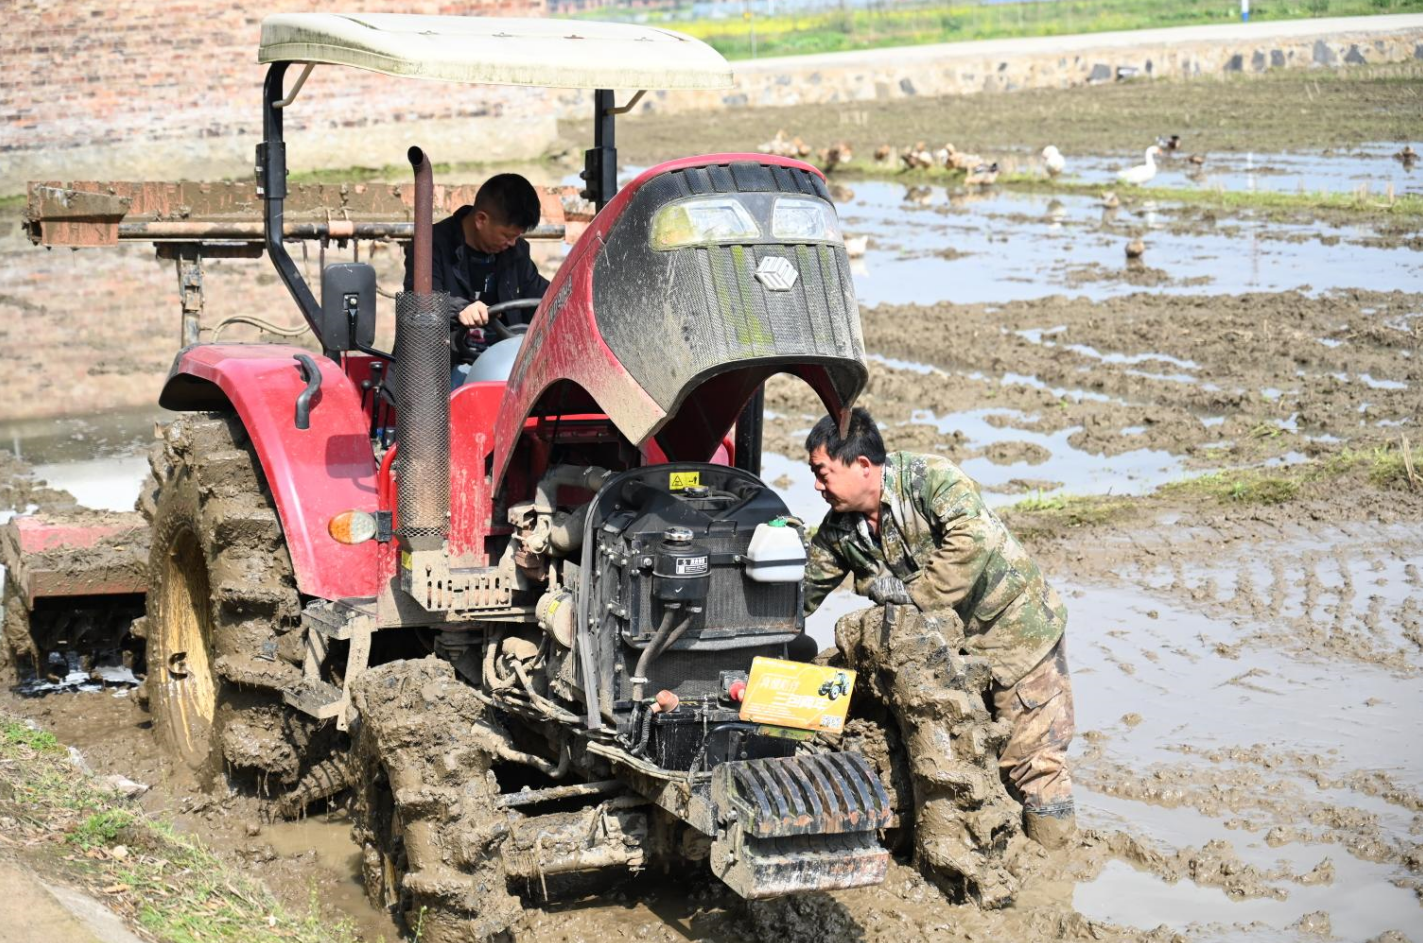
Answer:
(515, 620)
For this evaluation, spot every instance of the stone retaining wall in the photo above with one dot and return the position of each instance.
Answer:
(1062, 62)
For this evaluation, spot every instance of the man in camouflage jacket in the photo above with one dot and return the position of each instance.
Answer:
(913, 529)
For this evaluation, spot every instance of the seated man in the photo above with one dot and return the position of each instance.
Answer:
(914, 531)
(478, 255)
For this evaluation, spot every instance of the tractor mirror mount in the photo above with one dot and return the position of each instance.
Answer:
(348, 307)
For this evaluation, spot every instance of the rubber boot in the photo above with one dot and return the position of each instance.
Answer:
(1052, 828)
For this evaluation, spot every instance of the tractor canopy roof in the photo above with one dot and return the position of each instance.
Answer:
(497, 50)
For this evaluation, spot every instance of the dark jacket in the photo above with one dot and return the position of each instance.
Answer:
(515, 274)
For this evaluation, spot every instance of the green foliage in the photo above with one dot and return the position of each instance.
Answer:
(1385, 465)
(802, 33)
(101, 829)
(1039, 503)
(1240, 486)
(1043, 512)
(20, 735)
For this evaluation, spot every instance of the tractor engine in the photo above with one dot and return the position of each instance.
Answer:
(685, 572)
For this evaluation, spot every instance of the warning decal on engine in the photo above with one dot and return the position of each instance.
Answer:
(795, 694)
(691, 566)
(681, 481)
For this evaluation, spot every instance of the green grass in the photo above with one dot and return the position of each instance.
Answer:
(1064, 510)
(1266, 202)
(1389, 467)
(1393, 466)
(170, 884)
(845, 29)
(20, 735)
(1386, 466)
(1239, 486)
(100, 829)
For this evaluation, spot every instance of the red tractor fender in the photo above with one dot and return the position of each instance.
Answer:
(314, 473)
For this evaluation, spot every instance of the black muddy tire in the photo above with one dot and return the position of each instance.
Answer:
(423, 805)
(223, 612)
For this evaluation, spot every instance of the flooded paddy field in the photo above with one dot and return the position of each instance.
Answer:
(1201, 451)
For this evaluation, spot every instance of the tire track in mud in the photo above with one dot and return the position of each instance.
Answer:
(1311, 602)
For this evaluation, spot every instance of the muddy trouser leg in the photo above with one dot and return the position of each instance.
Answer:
(1039, 710)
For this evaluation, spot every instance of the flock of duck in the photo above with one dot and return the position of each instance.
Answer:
(980, 173)
(977, 171)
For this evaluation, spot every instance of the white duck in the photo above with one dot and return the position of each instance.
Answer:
(1141, 173)
(1053, 160)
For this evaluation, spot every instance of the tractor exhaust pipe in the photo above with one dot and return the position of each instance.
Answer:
(424, 217)
(422, 388)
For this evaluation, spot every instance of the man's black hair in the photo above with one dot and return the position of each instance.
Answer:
(862, 438)
(509, 200)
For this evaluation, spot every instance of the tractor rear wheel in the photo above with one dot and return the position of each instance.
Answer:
(223, 611)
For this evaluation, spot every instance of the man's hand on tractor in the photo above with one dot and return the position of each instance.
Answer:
(475, 314)
(889, 589)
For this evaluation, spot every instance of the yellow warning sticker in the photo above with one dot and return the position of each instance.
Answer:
(405, 559)
(794, 694)
(681, 481)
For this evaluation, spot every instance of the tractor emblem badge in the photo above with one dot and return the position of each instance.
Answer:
(776, 273)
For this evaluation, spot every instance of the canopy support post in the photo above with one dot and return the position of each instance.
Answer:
(600, 162)
(272, 188)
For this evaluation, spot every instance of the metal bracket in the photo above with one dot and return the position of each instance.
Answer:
(190, 289)
(632, 103)
(296, 89)
(357, 660)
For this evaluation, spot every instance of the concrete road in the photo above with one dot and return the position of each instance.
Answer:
(1333, 29)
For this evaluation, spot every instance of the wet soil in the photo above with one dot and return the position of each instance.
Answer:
(1246, 673)
(1211, 380)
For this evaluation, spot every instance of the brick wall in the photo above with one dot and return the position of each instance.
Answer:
(129, 88)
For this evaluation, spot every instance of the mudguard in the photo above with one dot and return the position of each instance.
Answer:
(314, 473)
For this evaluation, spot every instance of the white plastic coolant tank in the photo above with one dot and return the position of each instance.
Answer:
(776, 554)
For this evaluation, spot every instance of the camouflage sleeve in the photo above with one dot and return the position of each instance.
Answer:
(965, 547)
(824, 571)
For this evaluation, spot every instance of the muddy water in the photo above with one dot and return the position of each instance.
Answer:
(929, 243)
(1242, 744)
(1370, 166)
(100, 460)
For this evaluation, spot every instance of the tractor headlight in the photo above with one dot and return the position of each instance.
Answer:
(796, 220)
(701, 222)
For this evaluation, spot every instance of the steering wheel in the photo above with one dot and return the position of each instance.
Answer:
(502, 330)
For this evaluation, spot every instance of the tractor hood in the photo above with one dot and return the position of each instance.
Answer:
(700, 280)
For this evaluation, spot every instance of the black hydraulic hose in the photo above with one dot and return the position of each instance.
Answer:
(644, 734)
(639, 674)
